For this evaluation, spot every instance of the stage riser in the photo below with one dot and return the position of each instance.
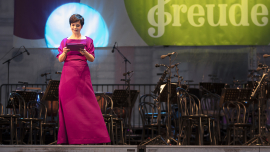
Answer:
(152, 148)
(127, 148)
(68, 148)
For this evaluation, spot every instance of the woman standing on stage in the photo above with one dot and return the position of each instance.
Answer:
(80, 117)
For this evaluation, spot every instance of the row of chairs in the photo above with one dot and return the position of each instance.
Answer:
(194, 120)
(30, 118)
(199, 121)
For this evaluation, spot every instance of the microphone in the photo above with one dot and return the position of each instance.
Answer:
(58, 72)
(164, 56)
(26, 51)
(159, 65)
(113, 47)
(266, 55)
(44, 74)
(22, 82)
(124, 74)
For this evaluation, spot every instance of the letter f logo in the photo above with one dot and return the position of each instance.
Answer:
(162, 16)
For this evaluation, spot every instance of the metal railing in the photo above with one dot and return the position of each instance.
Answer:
(6, 89)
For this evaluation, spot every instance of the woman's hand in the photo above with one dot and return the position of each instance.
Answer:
(88, 56)
(66, 50)
(63, 56)
(82, 51)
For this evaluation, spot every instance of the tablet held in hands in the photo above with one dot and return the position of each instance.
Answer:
(75, 46)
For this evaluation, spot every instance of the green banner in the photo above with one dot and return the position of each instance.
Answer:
(201, 22)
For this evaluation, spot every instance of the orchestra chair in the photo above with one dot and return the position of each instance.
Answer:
(8, 122)
(31, 121)
(148, 109)
(210, 107)
(237, 122)
(191, 117)
(104, 101)
(118, 124)
(47, 126)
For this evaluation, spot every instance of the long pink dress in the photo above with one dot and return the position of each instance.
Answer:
(80, 118)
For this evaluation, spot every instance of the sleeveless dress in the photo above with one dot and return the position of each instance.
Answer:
(80, 117)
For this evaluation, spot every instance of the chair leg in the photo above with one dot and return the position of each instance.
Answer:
(234, 135)
(54, 133)
(31, 132)
(122, 134)
(16, 132)
(188, 132)
(152, 132)
(228, 136)
(209, 130)
(116, 134)
(143, 134)
(200, 132)
(112, 131)
(11, 131)
(41, 135)
(214, 133)
(109, 129)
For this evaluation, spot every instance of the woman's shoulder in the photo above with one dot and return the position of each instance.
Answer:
(64, 40)
(89, 39)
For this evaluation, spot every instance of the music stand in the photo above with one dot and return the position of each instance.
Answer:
(213, 87)
(120, 98)
(26, 95)
(164, 94)
(261, 139)
(232, 94)
(51, 92)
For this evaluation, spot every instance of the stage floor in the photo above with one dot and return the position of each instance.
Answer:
(130, 148)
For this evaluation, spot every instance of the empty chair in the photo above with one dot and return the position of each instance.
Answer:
(32, 121)
(149, 112)
(191, 117)
(210, 107)
(9, 121)
(46, 127)
(237, 124)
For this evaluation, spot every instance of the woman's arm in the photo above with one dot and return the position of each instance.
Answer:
(88, 56)
(63, 56)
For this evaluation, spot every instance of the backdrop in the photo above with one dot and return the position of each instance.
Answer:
(44, 23)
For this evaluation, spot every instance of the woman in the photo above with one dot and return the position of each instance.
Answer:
(80, 118)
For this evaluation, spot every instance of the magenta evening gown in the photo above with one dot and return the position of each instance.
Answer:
(80, 117)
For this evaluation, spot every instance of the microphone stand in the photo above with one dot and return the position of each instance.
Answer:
(129, 105)
(125, 60)
(168, 126)
(46, 79)
(260, 139)
(8, 61)
(168, 103)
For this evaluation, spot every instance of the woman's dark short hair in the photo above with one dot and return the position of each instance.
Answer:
(75, 18)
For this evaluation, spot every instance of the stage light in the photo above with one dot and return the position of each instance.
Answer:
(57, 26)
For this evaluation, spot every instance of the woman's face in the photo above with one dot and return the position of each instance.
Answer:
(76, 27)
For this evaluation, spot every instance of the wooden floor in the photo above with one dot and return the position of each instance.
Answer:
(130, 148)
